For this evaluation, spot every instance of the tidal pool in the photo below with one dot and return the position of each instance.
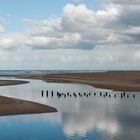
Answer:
(80, 118)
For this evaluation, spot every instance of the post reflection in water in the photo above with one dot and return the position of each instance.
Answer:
(79, 117)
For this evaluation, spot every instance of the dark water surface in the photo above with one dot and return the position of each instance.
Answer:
(80, 118)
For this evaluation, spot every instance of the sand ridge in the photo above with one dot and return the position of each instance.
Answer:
(12, 106)
(12, 82)
(113, 80)
(116, 80)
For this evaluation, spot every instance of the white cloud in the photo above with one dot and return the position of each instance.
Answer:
(126, 2)
(2, 28)
(43, 27)
(79, 27)
(107, 38)
(72, 30)
(66, 41)
(137, 55)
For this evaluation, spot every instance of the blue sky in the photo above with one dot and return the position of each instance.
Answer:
(16, 10)
(70, 34)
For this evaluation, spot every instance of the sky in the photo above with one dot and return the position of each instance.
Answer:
(70, 34)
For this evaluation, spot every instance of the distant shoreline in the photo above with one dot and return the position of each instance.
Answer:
(113, 80)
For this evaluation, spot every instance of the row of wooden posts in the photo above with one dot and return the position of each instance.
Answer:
(106, 94)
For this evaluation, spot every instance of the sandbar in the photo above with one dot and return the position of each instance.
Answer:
(12, 106)
(113, 80)
(12, 82)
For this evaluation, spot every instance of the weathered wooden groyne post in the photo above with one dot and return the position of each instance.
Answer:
(52, 93)
(68, 93)
(42, 93)
(74, 94)
(58, 94)
(124, 94)
(100, 93)
(46, 93)
(121, 95)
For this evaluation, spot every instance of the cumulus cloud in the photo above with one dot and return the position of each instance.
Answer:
(1, 28)
(79, 27)
(69, 31)
(103, 36)
(126, 2)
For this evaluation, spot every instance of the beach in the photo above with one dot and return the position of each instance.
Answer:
(113, 80)
(12, 82)
(12, 106)
(117, 81)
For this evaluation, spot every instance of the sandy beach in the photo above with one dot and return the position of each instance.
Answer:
(117, 81)
(12, 106)
(114, 80)
(12, 82)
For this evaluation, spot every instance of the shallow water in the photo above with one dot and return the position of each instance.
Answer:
(80, 118)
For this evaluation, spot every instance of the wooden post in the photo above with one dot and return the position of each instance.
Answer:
(52, 93)
(47, 93)
(42, 93)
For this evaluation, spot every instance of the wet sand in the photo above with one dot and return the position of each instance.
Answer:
(12, 82)
(12, 106)
(114, 80)
(117, 81)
